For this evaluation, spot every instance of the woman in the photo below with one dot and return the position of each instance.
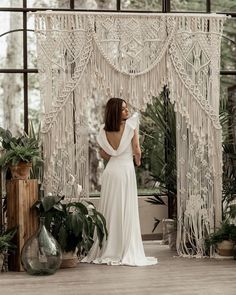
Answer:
(119, 141)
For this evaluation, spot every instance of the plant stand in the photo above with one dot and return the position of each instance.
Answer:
(21, 195)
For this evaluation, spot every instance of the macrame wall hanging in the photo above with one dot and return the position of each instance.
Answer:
(133, 56)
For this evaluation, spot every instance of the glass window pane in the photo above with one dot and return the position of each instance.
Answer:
(228, 46)
(11, 52)
(31, 43)
(221, 6)
(12, 3)
(34, 100)
(226, 82)
(142, 5)
(11, 102)
(49, 3)
(188, 5)
(101, 4)
(10, 21)
(227, 101)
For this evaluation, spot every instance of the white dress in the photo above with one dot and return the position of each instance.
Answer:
(119, 205)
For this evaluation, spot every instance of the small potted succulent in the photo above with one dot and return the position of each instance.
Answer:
(72, 224)
(19, 153)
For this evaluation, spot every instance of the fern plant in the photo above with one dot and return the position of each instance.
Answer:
(6, 240)
(18, 149)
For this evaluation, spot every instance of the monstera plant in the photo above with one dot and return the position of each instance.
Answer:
(72, 223)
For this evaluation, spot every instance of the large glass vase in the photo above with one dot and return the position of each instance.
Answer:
(41, 254)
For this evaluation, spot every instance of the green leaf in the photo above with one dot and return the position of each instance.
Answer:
(103, 223)
(48, 202)
(62, 237)
(58, 207)
(100, 234)
(77, 222)
(156, 200)
(86, 227)
(157, 221)
(79, 206)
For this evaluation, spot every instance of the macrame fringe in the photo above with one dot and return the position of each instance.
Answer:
(199, 165)
(137, 90)
(79, 51)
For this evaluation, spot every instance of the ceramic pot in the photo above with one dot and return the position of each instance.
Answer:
(21, 170)
(69, 259)
(225, 248)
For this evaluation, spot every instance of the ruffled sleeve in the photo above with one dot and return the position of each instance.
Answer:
(133, 121)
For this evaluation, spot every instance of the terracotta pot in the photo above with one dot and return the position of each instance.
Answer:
(21, 170)
(225, 248)
(69, 259)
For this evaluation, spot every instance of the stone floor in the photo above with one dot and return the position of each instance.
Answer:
(173, 275)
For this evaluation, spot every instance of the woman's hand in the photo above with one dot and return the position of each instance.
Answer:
(137, 160)
(104, 155)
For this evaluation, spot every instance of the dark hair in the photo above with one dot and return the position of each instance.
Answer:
(113, 113)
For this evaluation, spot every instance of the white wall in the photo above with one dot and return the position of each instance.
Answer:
(147, 212)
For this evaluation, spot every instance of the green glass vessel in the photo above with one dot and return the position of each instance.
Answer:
(41, 254)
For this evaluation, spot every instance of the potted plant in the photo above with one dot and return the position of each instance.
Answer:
(224, 238)
(6, 245)
(73, 225)
(19, 153)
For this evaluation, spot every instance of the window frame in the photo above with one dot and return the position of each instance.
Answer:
(166, 8)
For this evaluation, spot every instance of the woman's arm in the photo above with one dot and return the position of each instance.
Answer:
(136, 148)
(104, 155)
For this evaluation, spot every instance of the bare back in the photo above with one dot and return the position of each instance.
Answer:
(114, 138)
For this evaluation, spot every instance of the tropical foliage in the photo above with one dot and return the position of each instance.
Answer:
(72, 224)
(6, 245)
(226, 232)
(229, 160)
(17, 149)
(159, 150)
(6, 240)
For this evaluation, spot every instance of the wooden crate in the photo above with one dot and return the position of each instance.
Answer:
(21, 195)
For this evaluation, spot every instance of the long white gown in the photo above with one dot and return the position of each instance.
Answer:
(119, 205)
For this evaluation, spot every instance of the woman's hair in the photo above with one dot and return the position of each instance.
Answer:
(113, 113)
